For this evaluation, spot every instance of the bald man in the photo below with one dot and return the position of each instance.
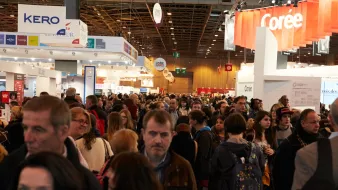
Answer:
(309, 174)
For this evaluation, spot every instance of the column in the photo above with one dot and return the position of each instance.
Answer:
(72, 9)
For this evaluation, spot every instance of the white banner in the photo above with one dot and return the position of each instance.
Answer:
(229, 33)
(89, 81)
(42, 19)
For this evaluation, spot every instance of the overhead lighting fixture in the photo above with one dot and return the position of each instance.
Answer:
(214, 40)
(141, 45)
(226, 11)
(99, 64)
(172, 28)
(129, 32)
(12, 16)
(216, 35)
(210, 47)
(49, 59)
(322, 65)
(212, 44)
(169, 13)
(170, 21)
(172, 34)
(124, 27)
(309, 53)
(118, 20)
(288, 2)
(208, 50)
(133, 37)
(143, 48)
(214, 15)
(220, 29)
(173, 38)
(273, 1)
(175, 42)
(32, 58)
(91, 61)
(109, 61)
(243, 4)
(15, 58)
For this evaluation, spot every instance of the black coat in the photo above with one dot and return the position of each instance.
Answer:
(222, 164)
(183, 145)
(284, 163)
(15, 136)
(10, 164)
(204, 153)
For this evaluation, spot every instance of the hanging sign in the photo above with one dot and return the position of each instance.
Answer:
(160, 64)
(292, 26)
(157, 13)
(228, 67)
(19, 86)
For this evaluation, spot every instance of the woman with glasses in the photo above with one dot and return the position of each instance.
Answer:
(80, 123)
(127, 121)
(94, 149)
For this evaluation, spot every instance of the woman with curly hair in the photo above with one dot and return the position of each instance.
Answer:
(95, 150)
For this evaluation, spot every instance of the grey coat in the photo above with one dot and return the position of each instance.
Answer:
(306, 163)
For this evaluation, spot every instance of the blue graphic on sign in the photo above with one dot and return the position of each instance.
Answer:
(10, 40)
(41, 19)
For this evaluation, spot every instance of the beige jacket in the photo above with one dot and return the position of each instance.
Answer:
(306, 163)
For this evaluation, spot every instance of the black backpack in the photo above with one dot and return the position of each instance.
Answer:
(323, 176)
(246, 173)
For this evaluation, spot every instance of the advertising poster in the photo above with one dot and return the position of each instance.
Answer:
(229, 33)
(19, 86)
(2, 85)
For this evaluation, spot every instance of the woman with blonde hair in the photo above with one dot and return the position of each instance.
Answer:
(114, 125)
(80, 123)
(127, 121)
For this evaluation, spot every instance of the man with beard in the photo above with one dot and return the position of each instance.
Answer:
(172, 170)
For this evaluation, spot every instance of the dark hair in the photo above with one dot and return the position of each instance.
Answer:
(93, 99)
(250, 135)
(198, 116)
(302, 117)
(257, 127)
(14, 103)
(63, 172)
(182, 120)
(235, 124)
(90, 138)
(13, 94)
(239, 98)
(252, 102)
(44, 94)
(117, 108)
(133, 172)
(160, 116)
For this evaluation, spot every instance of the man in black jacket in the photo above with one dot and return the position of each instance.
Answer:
(306, 133)
(46, 122)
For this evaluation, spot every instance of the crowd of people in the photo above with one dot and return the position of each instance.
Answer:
(167, 142)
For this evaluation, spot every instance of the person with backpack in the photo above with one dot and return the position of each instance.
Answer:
(316, 165)
(236, 164)
(204, 139)
(101, 116)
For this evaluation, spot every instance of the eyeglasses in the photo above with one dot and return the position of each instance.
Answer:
(82, 122)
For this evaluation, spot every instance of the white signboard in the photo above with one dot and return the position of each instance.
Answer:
(157, 13)
(89, 81)
(160, 64)
(245, 89)
(76, 36)
(329, 91)
(41, 19)
(305, 93)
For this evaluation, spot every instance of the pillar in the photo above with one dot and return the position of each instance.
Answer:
(282, 61)
(72, 9)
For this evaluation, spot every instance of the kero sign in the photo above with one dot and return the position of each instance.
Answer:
(293, 27)
(42, 19)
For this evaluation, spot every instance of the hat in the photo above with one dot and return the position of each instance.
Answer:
(282, 111)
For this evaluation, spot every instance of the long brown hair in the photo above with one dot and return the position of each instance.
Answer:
(130, 123)
(90, 138)
(127, 165)
(269, 135)
(114, 124)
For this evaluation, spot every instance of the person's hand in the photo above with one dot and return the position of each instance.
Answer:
(269, 151)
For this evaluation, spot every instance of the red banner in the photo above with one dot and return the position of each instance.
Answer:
(293, 27)
(19, 86)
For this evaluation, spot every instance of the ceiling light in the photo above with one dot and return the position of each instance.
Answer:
(309, 53)
(173, 38)
(172, 34)
(91, 61)
(169, 13)
(236, 55)
(175, 42)
(99, 64)
(170, 21)
(142, 48)
(12, 16)
(133, 37)
(273, 1)
(32, 58)
(214, 15)
(15, 58)
(289, 2)
(212, 44)
(1, 7)
(226, 11)
(216, 35)
(322, 65)
(109, 61)
(299, 63)
(129, 32)
(209, 47)
(172, 28)
(141, 45)
(118, 20)
(138, 42)
(220, 29)
(208, 50)
(49, 59)
(214, 40)
(124, 27)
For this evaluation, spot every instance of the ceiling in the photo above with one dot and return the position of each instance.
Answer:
(194, 24)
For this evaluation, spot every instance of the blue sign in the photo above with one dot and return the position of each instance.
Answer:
(2, 38)
(10, 40)
(143, 90)
(41, 19)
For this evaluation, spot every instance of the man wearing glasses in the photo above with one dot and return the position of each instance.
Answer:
(306, 132)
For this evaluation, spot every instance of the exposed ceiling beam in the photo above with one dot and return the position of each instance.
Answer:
(205, 25)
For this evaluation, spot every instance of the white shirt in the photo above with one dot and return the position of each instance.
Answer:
(96, 156)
